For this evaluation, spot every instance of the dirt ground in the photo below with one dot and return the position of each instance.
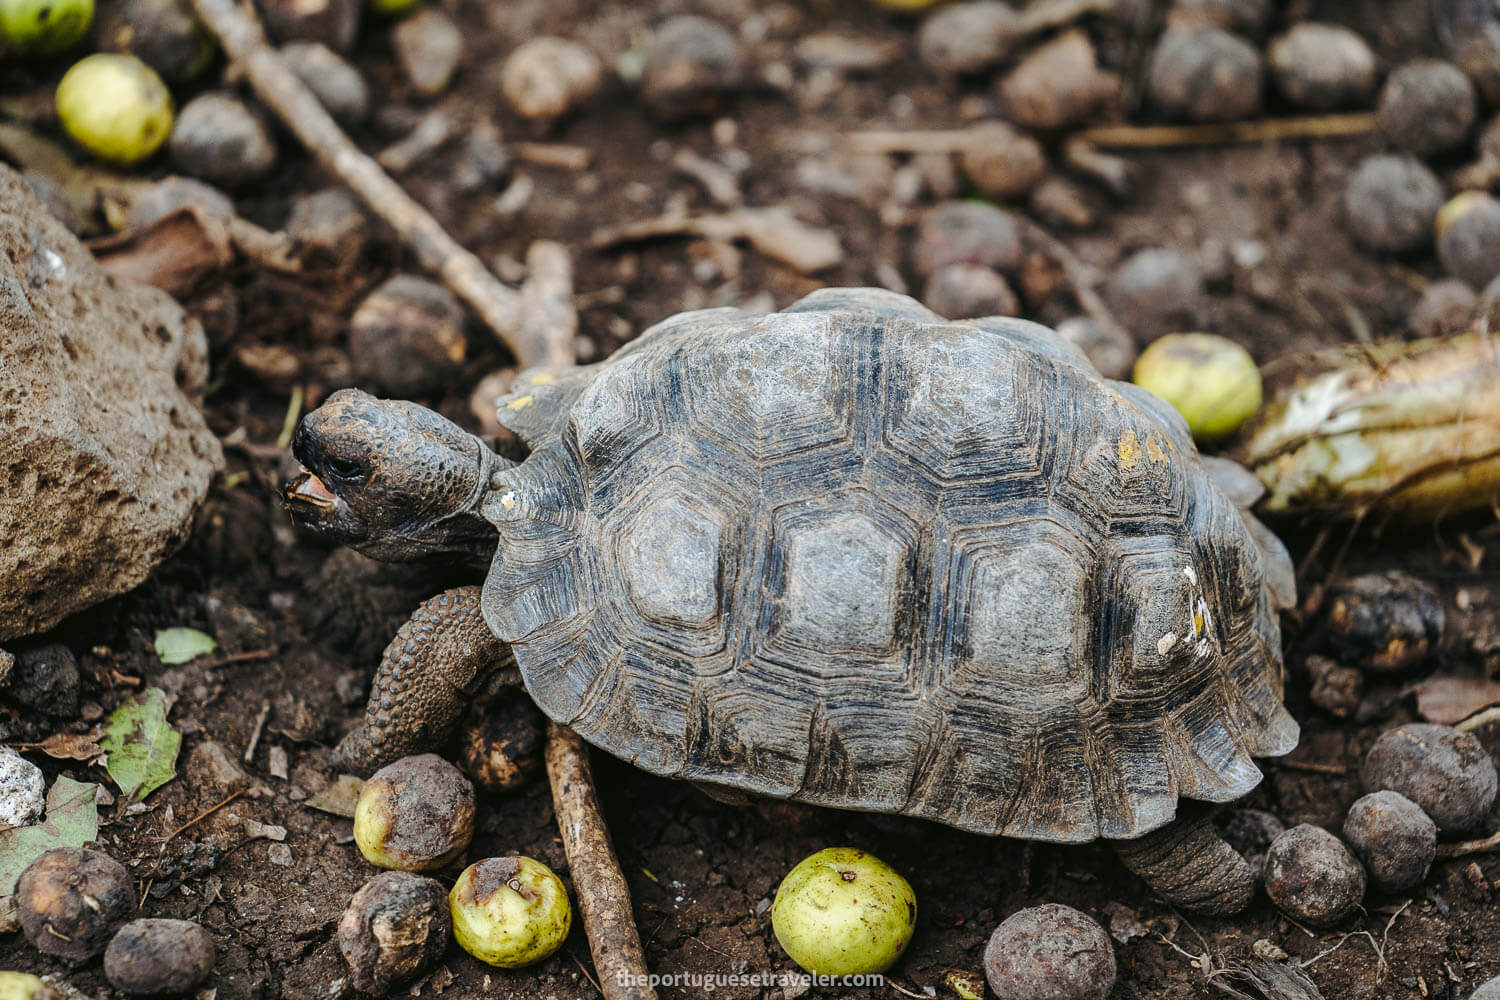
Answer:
(702, 873)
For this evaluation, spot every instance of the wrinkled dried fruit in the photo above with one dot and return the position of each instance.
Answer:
(1057, 84)
(965, 38)
(1446, 772)
(969, 291)
(71, 899)
(1395, 839)
(219, 139)
(115, 106)
(1205, 75)
(163, 34)
(1050, 952)
(1392, 202)
(1155, 291)
(1312, 877)
(842, 912)
(1211, 381)
(967, 232)
(416, 814)
(394, 929)
(1110, 349)
(1385, 621)
(502, 750)
(1468, 237)
(691, 66)
(1334, 688)
(156, 957)
(1322, 67)
(510, 912)
(546, 78)
(407, 336)
(1427, 106)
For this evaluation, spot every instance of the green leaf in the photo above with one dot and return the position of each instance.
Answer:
(72, 820)
(141, 744)
(179, 645)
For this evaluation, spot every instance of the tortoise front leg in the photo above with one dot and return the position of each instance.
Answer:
(428, 675)
(1190, 865)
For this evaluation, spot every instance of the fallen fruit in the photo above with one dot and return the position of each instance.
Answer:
(842, 912)
(510, 912)
(25, 986)
(1050, 951)
(1211, 381)
(1395, 839)
(1446, 772)
(1312, 877)
(394, 929)
(415, 815)
(115, 106)
(159, 957)
(44, 27)
(71, 899)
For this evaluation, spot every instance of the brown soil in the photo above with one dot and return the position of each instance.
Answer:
(702, 873)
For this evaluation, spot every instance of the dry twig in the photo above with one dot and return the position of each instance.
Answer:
(603, 896)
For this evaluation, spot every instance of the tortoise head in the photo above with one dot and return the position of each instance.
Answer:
(390, 478)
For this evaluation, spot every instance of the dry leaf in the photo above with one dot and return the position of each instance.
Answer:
(1447, 700)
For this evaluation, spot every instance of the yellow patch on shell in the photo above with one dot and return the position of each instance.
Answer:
(1154, 450)
(1129, 449)
(543, 378)
(508, 500)
(519, 403)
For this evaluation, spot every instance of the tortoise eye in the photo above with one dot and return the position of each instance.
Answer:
(345, 470)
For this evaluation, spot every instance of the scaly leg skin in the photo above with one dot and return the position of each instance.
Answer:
(428, 675)
(1189, 865)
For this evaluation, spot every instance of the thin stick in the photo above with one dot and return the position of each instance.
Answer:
(260, 725)
(603, 896)
(206, 813)
(1127, 136)
(1312, 766)
(1467, 847)
(1473, 722)
(240, 33)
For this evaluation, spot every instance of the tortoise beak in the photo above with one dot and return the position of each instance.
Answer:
(308, 491)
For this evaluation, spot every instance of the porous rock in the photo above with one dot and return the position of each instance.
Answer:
(104, 455)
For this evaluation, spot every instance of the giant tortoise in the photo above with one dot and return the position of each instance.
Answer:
(849, 554)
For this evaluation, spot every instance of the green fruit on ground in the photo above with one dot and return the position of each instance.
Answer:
(25, 986)
(842, 912)
(392, 8)
(115, 106)
(1213, 382)
(510, 912)
(44, 27)
(415, 814)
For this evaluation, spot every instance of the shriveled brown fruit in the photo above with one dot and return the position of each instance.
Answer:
(546, 78)
(1155, 291)
(1002, 162)
(1395, 839)
(219, 139)
(1391, 203)
(1050, 952)
(1468, 237)
(1058, 84)
(71, 899)
(1312, 877)
(1385, 621)
(155, 957)
(1427, 106)
(394, 929)
(965, 38)
(1205, 75)
(163, 34)
(502, 750)
(969, 291)
(1446, 772)
(407, 337)
(967, 232)
(1322, 67)
(693, 64)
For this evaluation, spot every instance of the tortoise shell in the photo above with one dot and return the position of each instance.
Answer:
(856, 555)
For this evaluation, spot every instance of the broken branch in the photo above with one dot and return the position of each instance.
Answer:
(603, 896)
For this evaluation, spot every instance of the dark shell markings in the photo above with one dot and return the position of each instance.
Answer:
(854, 555)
